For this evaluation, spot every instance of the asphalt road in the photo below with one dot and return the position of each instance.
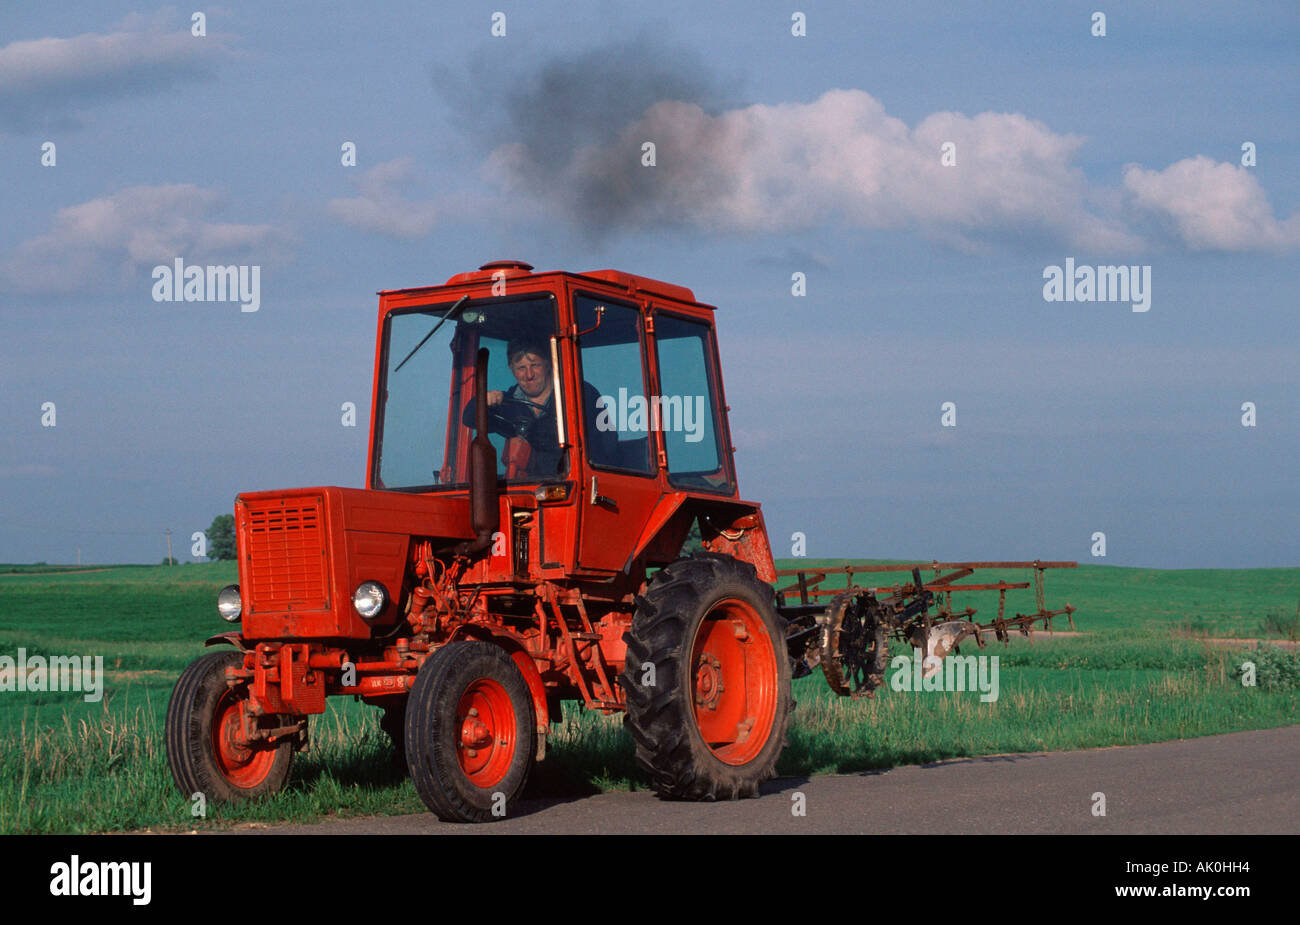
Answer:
(1239, 783)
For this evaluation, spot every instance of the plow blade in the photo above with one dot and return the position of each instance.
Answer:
(848, 635)
(942, 640)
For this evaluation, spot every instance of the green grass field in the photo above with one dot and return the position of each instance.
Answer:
(1141, 671)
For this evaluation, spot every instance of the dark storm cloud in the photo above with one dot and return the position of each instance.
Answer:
(562, 130)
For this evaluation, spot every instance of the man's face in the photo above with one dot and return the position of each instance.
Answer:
(532, 372)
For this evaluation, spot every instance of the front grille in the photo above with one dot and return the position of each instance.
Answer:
(285, 546)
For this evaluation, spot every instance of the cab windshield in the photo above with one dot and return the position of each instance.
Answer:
(426, 412)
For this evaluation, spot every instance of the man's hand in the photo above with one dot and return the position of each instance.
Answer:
(494, 397)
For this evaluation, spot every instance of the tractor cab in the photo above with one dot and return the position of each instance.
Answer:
(627, 380)
(604, 404)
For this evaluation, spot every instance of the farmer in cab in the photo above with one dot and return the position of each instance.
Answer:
(525, 414)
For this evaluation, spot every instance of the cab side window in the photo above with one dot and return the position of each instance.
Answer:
(688, 406)
(614, 403)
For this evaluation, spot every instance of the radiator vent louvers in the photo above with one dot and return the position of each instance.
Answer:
(285, 546)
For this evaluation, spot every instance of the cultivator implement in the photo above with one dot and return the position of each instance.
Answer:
(846, 631)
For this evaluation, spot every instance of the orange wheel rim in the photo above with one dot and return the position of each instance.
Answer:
(485, 733)
(243, 763)
(734, 678)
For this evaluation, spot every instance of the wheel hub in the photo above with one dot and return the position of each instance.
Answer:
(486, 741)
(474, 734)
(735, 674)
(234, 741)
(242, 762)
(708, 681)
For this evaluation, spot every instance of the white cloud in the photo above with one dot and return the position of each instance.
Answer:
(141, 226)
(792, 166)
(381, 207)
(1212, 205)
(842, 159)
(53, 78)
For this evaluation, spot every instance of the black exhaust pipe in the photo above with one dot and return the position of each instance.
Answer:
(484, 501)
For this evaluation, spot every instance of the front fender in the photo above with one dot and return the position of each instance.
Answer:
(228, 639)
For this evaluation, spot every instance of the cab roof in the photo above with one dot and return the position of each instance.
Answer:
(513, 269)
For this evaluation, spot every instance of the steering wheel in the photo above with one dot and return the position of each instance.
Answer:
(521, 401)
(517, 452)
(516, 419)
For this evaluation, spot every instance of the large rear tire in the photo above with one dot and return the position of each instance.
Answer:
(470, 732)
(206, 749)
(707, 680)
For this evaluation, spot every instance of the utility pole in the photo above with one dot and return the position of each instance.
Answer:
(169, 546)
(78, 555)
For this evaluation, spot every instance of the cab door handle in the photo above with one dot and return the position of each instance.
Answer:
(598, 499)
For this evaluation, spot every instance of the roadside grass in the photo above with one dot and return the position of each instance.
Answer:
(1051, 699)
(109, 773)
(72, 767)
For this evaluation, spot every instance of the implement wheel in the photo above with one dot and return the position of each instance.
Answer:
(707, 680)
(470, 732)
(207, 750)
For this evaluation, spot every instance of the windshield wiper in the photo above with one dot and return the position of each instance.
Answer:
(445, 316)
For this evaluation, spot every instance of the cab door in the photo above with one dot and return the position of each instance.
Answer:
(620, 484)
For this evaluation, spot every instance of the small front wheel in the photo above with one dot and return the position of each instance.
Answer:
(469, 732)
(207, 748)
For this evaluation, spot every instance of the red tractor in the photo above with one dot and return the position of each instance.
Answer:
(541, 446)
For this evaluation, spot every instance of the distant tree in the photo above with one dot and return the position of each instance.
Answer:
(221, 537)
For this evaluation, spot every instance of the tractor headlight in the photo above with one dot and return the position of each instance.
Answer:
(229, 603)
(369, 599)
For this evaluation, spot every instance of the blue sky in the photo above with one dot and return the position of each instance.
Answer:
(777, 154)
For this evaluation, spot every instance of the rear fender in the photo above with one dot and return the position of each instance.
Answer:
(739, 532)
